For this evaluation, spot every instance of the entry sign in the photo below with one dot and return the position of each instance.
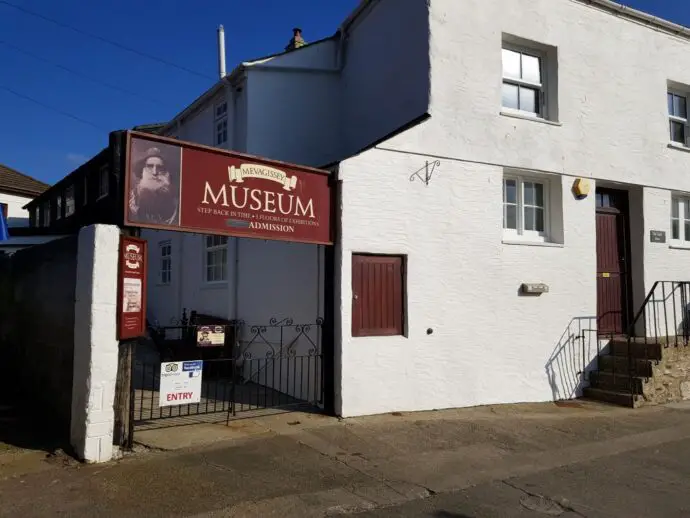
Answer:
(131, 288)
(180, 383)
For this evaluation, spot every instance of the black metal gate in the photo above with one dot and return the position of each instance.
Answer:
(273, 366)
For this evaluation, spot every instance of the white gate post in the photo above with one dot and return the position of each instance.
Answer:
(95, 343)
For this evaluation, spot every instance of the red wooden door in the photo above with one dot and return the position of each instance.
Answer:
(612, 262)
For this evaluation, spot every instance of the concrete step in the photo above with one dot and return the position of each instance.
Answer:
(617, 382)
(622, 364)
(614, 397)
(648, 351)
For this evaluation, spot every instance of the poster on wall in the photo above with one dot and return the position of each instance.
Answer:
(180, 383)
(210, 336)
(183, 186)
(132, 288)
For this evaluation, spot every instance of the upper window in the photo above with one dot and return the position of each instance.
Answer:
(58, 206)
(46, 214)
(678, 117)
(103, 182)
(221, 132)
(3, 209)
(680, 219)
(216, 258)
(525, 208)
(221, 123)
(166, 262)
(221, 109)
(69, 201)
(523, 83)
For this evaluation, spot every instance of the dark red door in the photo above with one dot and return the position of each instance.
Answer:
(613, 305)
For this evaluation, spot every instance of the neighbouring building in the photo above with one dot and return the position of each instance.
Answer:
(512, 180)
(16, 190)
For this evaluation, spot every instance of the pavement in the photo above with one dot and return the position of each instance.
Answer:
(574, 459)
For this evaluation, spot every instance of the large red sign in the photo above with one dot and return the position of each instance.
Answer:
(132, 288)
(183, 186)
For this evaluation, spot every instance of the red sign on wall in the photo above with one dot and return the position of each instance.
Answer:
(132, 288)
(182, 186)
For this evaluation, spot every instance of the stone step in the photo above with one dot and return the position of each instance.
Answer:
(622, 364)
(614, 397)
(617, 382)
(649, 351)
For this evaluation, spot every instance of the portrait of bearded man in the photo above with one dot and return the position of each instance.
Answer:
(154, 186)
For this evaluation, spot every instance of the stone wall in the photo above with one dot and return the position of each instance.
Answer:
(37, 291)
(671, 377)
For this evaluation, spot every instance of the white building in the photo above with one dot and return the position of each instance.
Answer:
(507, 103)
(16, 190)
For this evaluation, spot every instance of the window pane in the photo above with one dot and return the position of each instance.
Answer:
(678, 132)
(674, 208)
(511, 64)
(539, 191)
(686, 209)
(679, 107)
(670, 104)
(531, 68)
(539, 220)
(687, 231)
(510, 96)
(510, 191)
(529, 100)
(530, 219)
(528, 193)
(510, 217)
(674, 229)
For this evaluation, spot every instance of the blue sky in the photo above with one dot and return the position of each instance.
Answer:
(47, 145)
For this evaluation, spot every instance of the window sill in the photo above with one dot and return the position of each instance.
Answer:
(679, 147)
(524, 116)
(219, 285)
(547, 244)
(679, 246)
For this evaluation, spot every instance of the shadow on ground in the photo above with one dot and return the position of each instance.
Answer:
(28, 429)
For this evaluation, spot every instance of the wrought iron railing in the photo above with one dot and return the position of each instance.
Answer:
(662, 321)
(276, 365)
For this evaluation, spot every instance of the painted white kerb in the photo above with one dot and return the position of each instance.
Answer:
(95, 344)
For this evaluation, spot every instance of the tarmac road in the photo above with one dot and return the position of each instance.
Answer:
(647, 483)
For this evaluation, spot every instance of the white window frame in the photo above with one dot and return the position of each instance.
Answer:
(46, 214)
(220, 123)
(70, 202)
(214, 249)
(520, 234)
(683, 216)
(516, 81)
(675, 118)
(58, 206)
(165, 271)
(103, 182)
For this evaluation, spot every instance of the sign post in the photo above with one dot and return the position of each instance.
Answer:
(132, 288)
(180, 383)
(188, 187)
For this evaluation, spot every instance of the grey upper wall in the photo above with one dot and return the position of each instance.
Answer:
(326, 101)
(385, 81)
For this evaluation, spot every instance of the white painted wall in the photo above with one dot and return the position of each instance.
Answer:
(95, 343)
(16, 215)
(489, 345)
